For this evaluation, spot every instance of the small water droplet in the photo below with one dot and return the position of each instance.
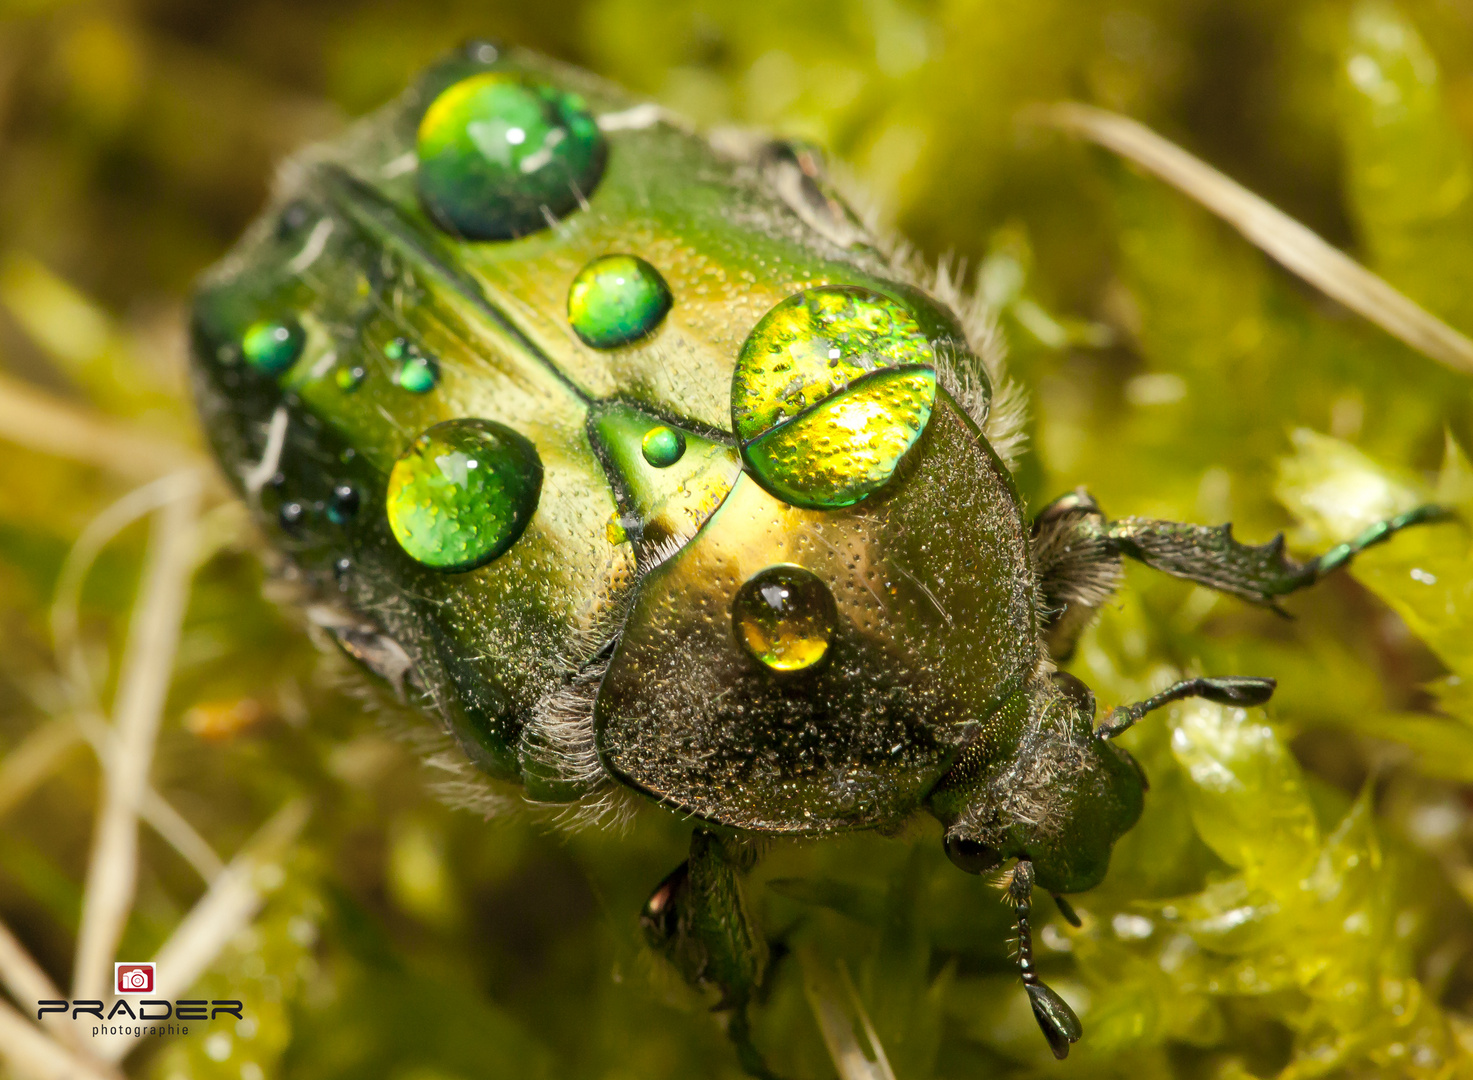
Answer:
(350, 378)
(662, 446)
(295, 217)
(292, 515)
(343, 505)
(418, 374)
(273, 346)
(785, 618)
(481, 51)
(617, 300)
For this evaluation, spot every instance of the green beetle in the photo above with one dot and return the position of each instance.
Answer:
(639, 462)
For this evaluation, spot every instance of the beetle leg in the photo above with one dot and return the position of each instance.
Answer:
(1240, 690)
(697, 917)
(1057, 1020)
(1209, 555)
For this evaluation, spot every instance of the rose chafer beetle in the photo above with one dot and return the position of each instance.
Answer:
(640, 463)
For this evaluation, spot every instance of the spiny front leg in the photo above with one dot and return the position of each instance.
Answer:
(1077, 557)
(697, 917)
(1259, 574)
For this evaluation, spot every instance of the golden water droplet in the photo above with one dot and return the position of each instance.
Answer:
(784, 616)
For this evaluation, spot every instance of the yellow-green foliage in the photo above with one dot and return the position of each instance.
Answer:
(1295, 901)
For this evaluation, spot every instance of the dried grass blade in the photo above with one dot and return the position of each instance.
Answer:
(39, 421)
(1297, 248)
(850, 1060)
(143, 683)
(34, 760)
(226, 909)
(26, 982)
(31, 1054)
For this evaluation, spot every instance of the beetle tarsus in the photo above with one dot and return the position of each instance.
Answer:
(1239, 690)
(1055, 1018)
(1378, 533)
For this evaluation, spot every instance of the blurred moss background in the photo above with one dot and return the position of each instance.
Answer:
(1296, 901)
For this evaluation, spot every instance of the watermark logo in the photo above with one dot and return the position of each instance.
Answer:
(133, 979)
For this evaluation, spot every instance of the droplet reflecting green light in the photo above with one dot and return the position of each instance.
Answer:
(350, 378)
(662, 446)
(343, 505)
(463, 493)
(418, 374)
(501, 153)
(785, 617)
(273, 346)
(616, 300)
(831, 389)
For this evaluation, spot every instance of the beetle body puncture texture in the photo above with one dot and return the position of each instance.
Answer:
(644, 467)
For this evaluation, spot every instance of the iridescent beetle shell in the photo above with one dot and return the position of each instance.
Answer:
(588, 379)
(638, 462)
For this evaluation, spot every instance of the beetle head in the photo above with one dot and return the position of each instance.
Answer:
(1061, 799)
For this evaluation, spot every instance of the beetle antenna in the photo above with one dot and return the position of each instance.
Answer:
(1059, 1024)
(1241, 690)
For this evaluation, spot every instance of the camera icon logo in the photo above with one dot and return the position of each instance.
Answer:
(133, 978)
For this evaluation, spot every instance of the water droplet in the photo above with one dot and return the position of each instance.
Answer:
(451, 517)
(350, 378)
(418, 374)
(616, 300)
(295, 217)
(831, 389)
(343, 505)
(480, 181)
(481, 51)
(784, 616)
(272, 347)
(398, 349)
(292, 515)
(662, 446)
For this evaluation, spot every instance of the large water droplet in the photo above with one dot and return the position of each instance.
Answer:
(616, 300)
(846, 447)
(273, 346)
(831, 389)
(662, 446)
(784, 616)
(463, 493)
(500, 153)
